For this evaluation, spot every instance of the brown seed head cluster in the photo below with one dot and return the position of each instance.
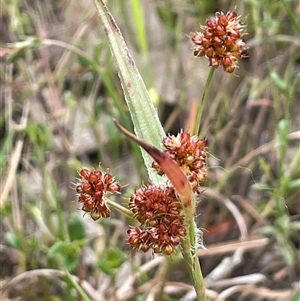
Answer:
(220, 41)
(162, 224)
(190, 153)
(92, 189)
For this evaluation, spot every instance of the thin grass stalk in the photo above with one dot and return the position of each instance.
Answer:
(200, 110)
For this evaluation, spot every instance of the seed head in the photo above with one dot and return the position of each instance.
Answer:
(220, 41)
(92, 188)
(190, 153)
(162, 224)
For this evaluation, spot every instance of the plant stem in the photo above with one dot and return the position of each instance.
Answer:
(120, 208)
(77, 286)
(189, 243)
(189, 253)
(202, 103)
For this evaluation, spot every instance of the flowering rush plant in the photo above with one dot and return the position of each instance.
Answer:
(164, 209)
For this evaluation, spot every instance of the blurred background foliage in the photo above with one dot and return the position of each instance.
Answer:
(59, 94)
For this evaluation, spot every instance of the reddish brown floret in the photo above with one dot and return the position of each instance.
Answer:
(190, 153)
(159, 212)
(220, 41)
(92, 189)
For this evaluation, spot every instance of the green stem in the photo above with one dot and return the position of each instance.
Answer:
(189, 253)
(120, 208)
(77, 286)
(203, 100)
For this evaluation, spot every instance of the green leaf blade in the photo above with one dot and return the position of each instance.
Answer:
(143, 113)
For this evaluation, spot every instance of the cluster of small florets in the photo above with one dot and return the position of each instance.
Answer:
(92, 189)
(220, 41)
(190, 153)
(162, 223)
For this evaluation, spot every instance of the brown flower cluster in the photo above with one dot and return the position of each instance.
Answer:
(220, 41)
(92, 189)
(190, 153)
(162, 224)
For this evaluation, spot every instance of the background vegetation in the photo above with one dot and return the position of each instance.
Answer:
(59, 94)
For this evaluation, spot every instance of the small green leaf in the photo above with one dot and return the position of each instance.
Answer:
(65, 253)
(70, 99)
(13, 240)
(18, 49)
(261, 186)
(279, 82)
(76, 228)
(110, 261)
(84, 61)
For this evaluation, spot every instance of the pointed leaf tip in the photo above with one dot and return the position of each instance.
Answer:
(171, 169)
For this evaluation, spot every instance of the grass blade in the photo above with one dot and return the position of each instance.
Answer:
(144, 117)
